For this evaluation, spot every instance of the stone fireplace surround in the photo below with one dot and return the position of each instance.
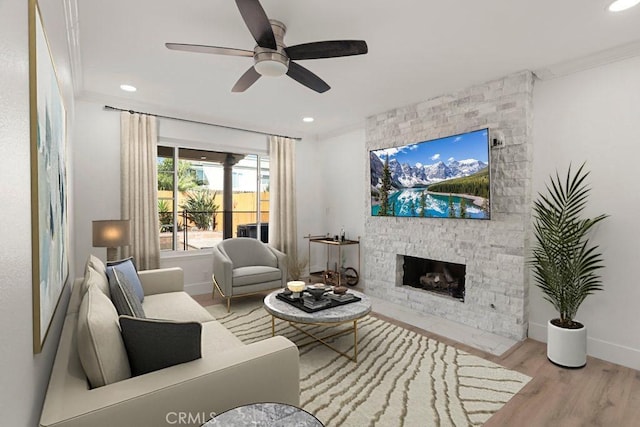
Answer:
(494, 251)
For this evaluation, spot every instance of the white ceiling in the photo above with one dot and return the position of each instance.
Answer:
(418, 49)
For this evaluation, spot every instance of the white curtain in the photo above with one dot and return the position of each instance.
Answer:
(139, 187)
(282, 209)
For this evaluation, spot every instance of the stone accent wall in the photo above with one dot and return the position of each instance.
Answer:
(494, 251)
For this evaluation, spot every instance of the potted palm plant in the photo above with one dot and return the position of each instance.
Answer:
(565, 266)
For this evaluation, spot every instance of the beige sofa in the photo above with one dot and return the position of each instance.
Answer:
(229, 374)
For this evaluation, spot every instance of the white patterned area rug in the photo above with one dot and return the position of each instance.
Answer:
(402, 378)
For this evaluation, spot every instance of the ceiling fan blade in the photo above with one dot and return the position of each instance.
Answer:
(258, 23)
(327, 49)
(307, 78)
(248, 78)
(209, 49)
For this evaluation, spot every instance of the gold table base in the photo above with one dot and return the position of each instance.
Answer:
(322, 340)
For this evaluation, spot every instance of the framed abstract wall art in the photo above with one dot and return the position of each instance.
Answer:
(49, 228)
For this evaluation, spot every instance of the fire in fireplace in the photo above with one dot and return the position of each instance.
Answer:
(441, 277)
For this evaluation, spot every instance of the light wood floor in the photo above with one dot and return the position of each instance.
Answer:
(601, 394)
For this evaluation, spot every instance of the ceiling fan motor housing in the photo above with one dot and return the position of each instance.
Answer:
(269, 62)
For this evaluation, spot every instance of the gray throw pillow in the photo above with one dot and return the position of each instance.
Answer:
(128, 267)
(156, 344)
(122, 294)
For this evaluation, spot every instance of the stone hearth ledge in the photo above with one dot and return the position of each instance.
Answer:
(476, 338)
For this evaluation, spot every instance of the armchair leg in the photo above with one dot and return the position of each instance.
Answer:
(213, 294)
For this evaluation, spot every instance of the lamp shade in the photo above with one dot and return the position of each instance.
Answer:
(111, 233)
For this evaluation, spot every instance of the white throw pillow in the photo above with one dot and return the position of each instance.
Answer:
(100, 346)
(96, 263)
(94, 278)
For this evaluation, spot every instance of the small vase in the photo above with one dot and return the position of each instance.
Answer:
(567, 347)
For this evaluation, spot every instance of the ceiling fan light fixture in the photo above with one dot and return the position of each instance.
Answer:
(269, 62)
(271, 68)
(620, 5)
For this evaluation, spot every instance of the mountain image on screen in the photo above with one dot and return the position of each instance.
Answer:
(446, 177)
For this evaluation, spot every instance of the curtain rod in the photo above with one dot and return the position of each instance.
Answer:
(110, 108)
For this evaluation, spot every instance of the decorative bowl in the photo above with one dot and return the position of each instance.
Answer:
(296, 286)
(339, 290)
(317, 291)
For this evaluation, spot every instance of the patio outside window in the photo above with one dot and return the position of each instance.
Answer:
(191, 190)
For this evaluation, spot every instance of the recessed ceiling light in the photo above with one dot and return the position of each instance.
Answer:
(620, 5)
(310, 119)
(128, 88)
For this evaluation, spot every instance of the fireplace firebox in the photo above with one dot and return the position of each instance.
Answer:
(444, 278)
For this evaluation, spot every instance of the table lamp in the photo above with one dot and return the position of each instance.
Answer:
(111, 234)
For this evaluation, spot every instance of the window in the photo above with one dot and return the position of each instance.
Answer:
(191, 190)
(250, 212)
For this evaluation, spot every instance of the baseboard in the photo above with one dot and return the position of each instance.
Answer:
(605, 350)
(198, 288)
(612, 352)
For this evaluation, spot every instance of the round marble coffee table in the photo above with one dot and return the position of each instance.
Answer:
(264, 414)
(334, 316)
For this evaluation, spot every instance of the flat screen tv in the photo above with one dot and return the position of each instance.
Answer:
(442, 178)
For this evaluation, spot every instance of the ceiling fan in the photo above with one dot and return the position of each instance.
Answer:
(271, 56)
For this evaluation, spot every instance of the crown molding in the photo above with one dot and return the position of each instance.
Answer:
(72, 24)
(603, 57)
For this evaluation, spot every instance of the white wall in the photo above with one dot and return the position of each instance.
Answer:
(594, 116)
(194, 135)
(329, 190)
(23, 375)
(97, 177)
(310, 199)
(341, 180)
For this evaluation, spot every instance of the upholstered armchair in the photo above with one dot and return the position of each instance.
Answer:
(244, 266)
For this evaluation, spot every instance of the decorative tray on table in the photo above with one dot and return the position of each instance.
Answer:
(309, 304)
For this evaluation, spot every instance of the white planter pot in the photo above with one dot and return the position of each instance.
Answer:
(567, 347)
